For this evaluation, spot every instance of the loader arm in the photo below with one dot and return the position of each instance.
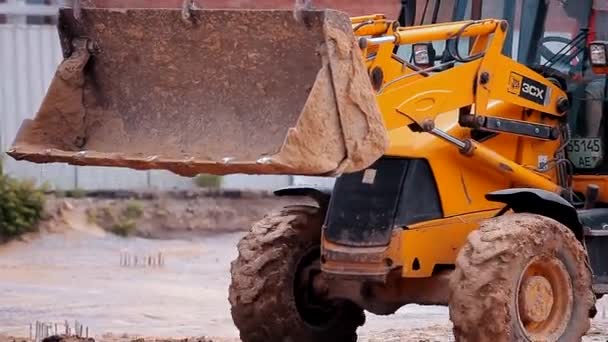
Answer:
(491, 76)
(478, 86)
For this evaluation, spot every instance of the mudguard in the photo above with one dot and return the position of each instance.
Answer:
(541, 202)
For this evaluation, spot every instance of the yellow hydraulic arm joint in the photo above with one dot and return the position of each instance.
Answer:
(371, 25)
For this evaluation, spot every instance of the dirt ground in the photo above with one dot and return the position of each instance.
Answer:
(168, 215)
(73, 272)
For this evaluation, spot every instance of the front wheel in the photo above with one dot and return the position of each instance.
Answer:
(271, 291)
(521, 277)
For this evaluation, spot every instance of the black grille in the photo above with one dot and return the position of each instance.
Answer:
(361, 211)
(365, 206)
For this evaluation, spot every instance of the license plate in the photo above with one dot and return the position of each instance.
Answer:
(585, 153)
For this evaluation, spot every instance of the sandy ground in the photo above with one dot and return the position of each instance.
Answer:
(76, 275)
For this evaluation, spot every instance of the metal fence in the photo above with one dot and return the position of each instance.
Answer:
(29, 55)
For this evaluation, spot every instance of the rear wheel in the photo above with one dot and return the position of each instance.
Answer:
(271, 292)
(521, 277)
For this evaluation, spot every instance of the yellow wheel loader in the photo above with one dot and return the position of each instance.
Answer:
(467, 139)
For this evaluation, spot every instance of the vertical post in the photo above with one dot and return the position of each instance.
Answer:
(460, 9)
(476, 9)
(407, 13)
(508, 13)
(533, 16)
(475, 15)
(75, 177)
(605, 99)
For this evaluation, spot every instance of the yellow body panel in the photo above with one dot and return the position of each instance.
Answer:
(435, 242)
(460, 187)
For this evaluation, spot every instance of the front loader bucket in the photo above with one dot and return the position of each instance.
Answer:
(218, 91)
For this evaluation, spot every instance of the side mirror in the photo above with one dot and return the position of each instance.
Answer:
(423, 55)
(598, 56)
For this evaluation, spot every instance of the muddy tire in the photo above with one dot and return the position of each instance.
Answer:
(265, 303)
(521, 277)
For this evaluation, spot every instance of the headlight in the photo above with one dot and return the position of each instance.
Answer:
(424, 54)
(597, 54)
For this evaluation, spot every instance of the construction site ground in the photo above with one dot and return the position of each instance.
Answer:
(72, 271)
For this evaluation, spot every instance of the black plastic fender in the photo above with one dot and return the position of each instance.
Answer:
(541, 202)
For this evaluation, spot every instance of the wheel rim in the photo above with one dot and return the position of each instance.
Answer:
(544, 299)
(314, 311)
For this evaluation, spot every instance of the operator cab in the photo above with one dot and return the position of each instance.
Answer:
(571, 44)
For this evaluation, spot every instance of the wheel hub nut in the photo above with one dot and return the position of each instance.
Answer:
(535, 299)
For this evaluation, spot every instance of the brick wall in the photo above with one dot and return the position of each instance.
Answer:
(556, 18)
(352, 7)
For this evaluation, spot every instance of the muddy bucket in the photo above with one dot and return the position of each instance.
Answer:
(218, 91)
